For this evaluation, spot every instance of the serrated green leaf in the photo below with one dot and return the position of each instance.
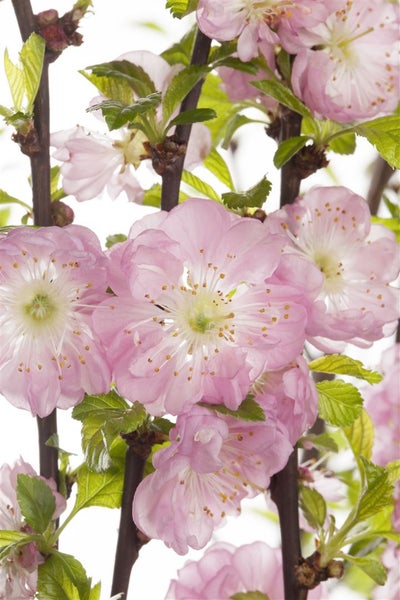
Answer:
(249, 596)
(99, 489)
(360, 435)
(280, 92)
(343, 144)
(249, 409)
(62, 577)
(16, 82)
(179, 88)
(340, 403)
(289, 148)
(32, 55)
(180, 52)
(393, 469)
(371, 566)
(384, 134)
(117, 114)
(111, 87)
(36, 501)
(344, 365)
(199, 185)
(104, 418)
(135, 76)
(218, 167)
(197, 115)
(7, 199)
(253, 197)
(181, 8)
(313, 506)
(377, 493)
(323, 441)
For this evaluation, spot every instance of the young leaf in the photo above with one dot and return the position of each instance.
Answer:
(384, 134)
(323, 441)
(218, 167)
(249, 409)
(250, 596)
(343, 144)
(340, 403)
(62, 577)
(99, 489)
(115, 239)
(181, 8)
(179, 88)
(255, 196)
(199, 185)
(111, 87)
(136, 77)
(371, 566)
(289, 148)
(313, 506)
(233, 123)
(360, 435)
(344, 365)
(7, 199)
(104, 418)
(378, 491)
(197, 115)
(36, 501)
(31, 56)
(117, 114)
(282, 93)
(180, 52)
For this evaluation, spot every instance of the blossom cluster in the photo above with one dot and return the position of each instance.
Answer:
(198, 305)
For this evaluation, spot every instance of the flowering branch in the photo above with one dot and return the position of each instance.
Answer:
(40, 169)
(171, 178)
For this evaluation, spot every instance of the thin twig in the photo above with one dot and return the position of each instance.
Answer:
(381, 174)
(171, 179)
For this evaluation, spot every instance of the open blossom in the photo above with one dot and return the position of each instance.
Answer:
(290, 393)
(347, 67)
(50, 279)
(18, 570)
(224, 571)
(212, 463)
(194, 317)
(355, 261)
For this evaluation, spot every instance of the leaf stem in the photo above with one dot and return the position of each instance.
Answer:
(171, 179)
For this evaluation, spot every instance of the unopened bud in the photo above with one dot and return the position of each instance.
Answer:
(61, 214)
(47, 17)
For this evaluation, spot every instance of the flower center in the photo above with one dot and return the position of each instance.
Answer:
(332, 270)
(40, 308)
(207, 313)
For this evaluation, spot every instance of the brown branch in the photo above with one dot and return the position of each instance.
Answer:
(171, 178)
(381, 174)
(290, 179)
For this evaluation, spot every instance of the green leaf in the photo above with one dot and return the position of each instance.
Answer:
(384, 134)
(323, 441)
(5, 112)
(36, 501)
(104, 418)
(62, 577)
(360, 435)
(249, 596)
(218, 167)
(233, 124)
(392, 223)
(199, 185)
(16, 82)
(10, 540)
(24, 78)
(343, 144)
(371, 566)
(179, 88)
(117, 114)
(180, 52)
(136, 77)
(7, 199)
(393, 469)
(197, 115)
(344, 365)
(313, 506)
(378, 491)
(99, 489)
(115, 238)
(289, 148)
(255, 196)
(111, 87)
(181, 8)
(282, 93)
(340, 403)
(249, 409)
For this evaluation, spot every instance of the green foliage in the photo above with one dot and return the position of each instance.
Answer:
(343, 144)
(384, 134)
(340, 403)
(24, 78)
(115, 239)
(111, 87)
(360, 435)
(377, 491)
(344, 365)
(323, 441)
(234, 122)
(218, 167)
(117, 114)
(181, 51)
(249, 596)
(181, 8)
(253, 197)
(280, 92)
(313, 506)
(136, 77)
(11, 540)
(249, 409)
(289, 148)
(212, 96)
(7, 199)
(199, 185)
(179, 88)
(36, 501)
(99, 489)
(104, 418)
(62, 577)
(197, 115)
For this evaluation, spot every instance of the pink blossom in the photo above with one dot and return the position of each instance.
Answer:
(50, 279)
(382, 402)
(211, 464)
(291, 394)
(18, 571)
(225, 570)
(391, 561)
(355, 261)
(193, 318)
(347, 67)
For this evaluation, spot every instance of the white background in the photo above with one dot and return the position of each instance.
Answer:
(114, 28)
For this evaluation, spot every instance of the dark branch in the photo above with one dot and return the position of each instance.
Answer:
(381, 174)
(171, 179)
(290, 180)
